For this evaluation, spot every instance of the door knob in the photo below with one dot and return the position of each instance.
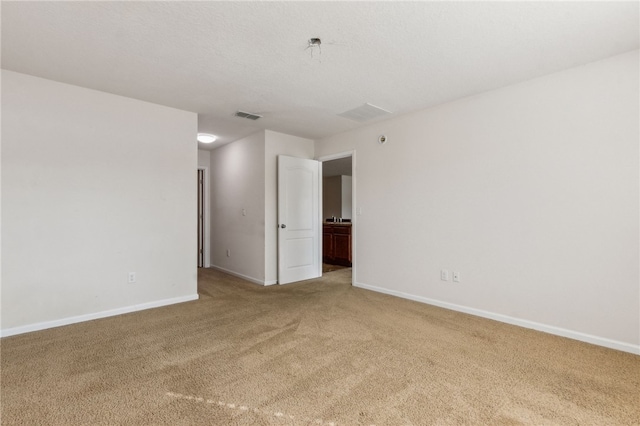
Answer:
(283, 226)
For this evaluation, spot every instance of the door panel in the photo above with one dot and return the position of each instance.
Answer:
(300, 252)
(298, 219)
(299, 202)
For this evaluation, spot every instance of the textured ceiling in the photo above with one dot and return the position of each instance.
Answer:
(214, 58)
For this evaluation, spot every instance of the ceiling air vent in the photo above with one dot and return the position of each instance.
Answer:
(248, 115)
(365, 112)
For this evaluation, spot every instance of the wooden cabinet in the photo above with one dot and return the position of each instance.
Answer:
(336, 244)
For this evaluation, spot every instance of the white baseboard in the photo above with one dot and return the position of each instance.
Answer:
(97, 315)
(596, 340)
(244, 277)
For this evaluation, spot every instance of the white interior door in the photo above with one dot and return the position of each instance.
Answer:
(299, 249)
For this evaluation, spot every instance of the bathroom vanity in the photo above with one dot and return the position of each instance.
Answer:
(336, 243)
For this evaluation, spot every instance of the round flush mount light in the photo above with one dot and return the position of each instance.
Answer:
(206, 138)
(382, 139)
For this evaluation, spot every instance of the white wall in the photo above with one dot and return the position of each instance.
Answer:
(237, 186)
(277, 144)
(346, 196)
(244, 176)
(336, 197)
(530, 191)
(204, 158)
(331, 197)
(94, 186)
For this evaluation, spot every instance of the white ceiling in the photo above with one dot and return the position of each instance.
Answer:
(214, 58)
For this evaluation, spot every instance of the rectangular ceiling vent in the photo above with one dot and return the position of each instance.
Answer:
(364, 113)
(248, 115)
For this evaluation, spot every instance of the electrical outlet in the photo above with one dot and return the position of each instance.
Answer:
(444, 275)
(456, 276)
(132, 277)
(228, 253)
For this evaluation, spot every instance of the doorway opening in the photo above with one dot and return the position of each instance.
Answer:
(202, 218)
(338, 213)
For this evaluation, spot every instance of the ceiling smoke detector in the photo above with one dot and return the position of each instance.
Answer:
(248, 115)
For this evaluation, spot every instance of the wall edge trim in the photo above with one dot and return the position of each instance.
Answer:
(239, 275)
(557, 331)
(96, 315)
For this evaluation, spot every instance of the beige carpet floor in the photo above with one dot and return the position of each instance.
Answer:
(319, 352)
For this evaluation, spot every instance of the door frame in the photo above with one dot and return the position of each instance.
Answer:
(207, 216)
(354, 216)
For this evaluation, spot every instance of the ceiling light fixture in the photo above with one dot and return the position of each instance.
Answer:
(206, 137)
